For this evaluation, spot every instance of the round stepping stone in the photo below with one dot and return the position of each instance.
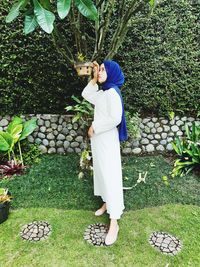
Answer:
(165, 242)
(36, 231)
(95, 234)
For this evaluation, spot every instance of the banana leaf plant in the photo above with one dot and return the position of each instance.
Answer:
(16, 131)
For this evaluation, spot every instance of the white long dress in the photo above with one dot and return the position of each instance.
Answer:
(105, 146)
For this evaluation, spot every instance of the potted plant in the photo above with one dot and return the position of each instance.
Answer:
(83, 66)
(5, 198)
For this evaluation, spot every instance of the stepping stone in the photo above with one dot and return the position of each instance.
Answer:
(36, 231)
(165, 243)
(95, 234)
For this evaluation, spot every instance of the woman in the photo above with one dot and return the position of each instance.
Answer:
(105, 140)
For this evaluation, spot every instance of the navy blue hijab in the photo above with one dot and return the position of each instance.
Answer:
(115, 79)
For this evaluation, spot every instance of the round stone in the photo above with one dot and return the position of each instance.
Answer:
(55, 132)
(51, 150)
(69, 126)
(65, 131)
(41, 135)
(157, 136)
(154, 119)
(50, 136)
(42, 148)
(54, 118)
(153, 130)
(40, 122)
(164, 135)
(179, 133)
(3, 122)
(45, 142)
(75, 126)
(150, 124)
(59, 128)
(174, 128)
(69, 138)
(154, 142)
(77, 150)
(38, 141)
(42, 129)
(172, 122)
(179, 123)
(30, 139)
(46, 116)
(169, 147)
(159, 129)
(144, 134)
(163, 142)
(127, 150)
(54, 126)
(144, 141)
(60, 150)
(61, 137)
(137, 150)
(145, 120)
(142, 126)
(160, 148)
(66, 144)
(79, 139)
(146, 130)
(157, 124)
(164, 121)
(59, 143)
(47, 123)
(150, 148)
(166, 128)
(52, 143)
(73, 133)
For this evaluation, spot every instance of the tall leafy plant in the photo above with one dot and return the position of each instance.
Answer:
(83, 113)
(16, 131)
(188, 151)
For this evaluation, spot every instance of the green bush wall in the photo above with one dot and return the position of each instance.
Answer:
(160, 59)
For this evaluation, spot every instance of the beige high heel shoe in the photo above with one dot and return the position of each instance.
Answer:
(110, 239)
(100, 211)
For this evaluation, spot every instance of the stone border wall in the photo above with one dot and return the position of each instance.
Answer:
(57, 133)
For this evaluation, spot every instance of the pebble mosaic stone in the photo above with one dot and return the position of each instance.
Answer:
(36, 231)
(95, 234)
(165, 242)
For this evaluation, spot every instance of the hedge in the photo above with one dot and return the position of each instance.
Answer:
(160, 59)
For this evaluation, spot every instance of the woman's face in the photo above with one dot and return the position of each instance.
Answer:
(102, 75)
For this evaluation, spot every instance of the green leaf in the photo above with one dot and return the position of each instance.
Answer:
(6, 141)
(44, 17)
(28, 128)
(87, 9)
(30, 24)
(15, 121)
(14, 12)
(63, 7)
(16, 132)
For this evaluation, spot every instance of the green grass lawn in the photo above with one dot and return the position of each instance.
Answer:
(52, 191)
(54, 183)
(66, 246)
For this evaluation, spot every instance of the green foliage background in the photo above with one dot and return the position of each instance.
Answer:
(160, 59)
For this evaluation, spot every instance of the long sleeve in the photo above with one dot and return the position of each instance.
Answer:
(90, 92)
(114, 117)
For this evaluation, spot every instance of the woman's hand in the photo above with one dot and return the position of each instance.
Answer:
(95, 72)
(90, 131)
